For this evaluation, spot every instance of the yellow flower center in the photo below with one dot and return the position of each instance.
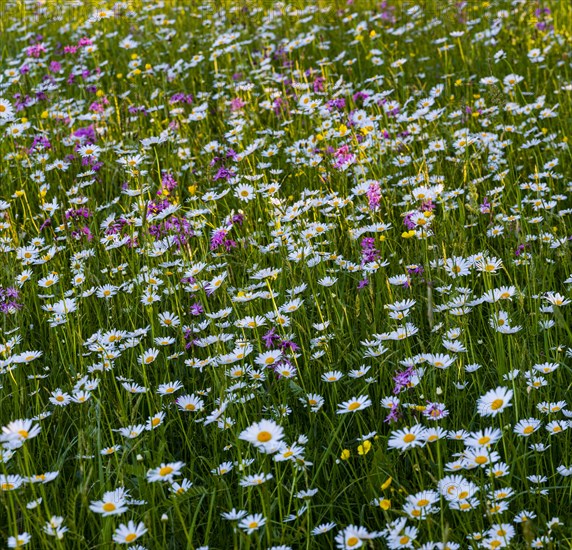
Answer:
(352, 541)
(528, 430)
(497, 404)
(165, 471)
(484, 440)
(263, 437)
(423, 502)
(130, 537)
(109, 507)
(481, 459)
(409, 438)
(23, 434)
(404, 539)
(190, 407)
(353, 406)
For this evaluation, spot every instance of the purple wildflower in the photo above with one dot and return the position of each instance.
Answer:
(374, 196)
(402, 380)
(363, 283)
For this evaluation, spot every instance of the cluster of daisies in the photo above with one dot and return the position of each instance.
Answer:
(270, 282)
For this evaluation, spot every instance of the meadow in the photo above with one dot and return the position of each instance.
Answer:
(285, 276)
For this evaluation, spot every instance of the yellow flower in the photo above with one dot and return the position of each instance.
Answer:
(385, 504)
(386, 483)
(345, 454)
(365, 448)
